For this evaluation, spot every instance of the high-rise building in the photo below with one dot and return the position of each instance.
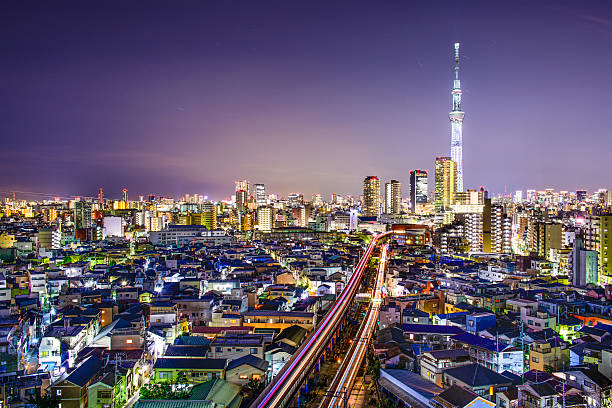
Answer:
(295, 199)
(100, 198)
(418, 189)
(602, 197)
(301, 215)
(82, 214)
(247, 221)
(496, 228)
(445, 178)
(371, 197)
(598, 237)
(470, 201)
(260, 194)
(209, 215)
(393, 197)
(473, 231)
(456, 117)
(518, 197)
(583, 264)
(242, 185)
(265, 218)
(531, 195)
(581, 195)
(242, 197)
(544, 236)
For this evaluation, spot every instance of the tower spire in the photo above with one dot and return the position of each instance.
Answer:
(456, 117)
(457, 63)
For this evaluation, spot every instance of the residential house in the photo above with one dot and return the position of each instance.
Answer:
(596, 387)
(538, 395)
(459, 397)
(433, 363)
(163, 312)
(432, 335)
(478, 322)
(477, 379)
(196, 370)
(552, 354)
(72, 388)
(538, 320)
(244, 369)
(232, 347)
(492, 354)
(279, 320)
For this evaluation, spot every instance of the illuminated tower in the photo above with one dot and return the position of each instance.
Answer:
(125, 196)
(456, 118)
(371, 197)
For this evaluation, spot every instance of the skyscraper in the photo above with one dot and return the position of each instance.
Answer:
(125, 197)
(100, 198)
(418, 188)
(518, 197)
(82, 214)
(371, 197)
(456, 118)
(260, 194)
(241, 200)
(581, 195)
(445, 179)
(242, 185)
(393, 197)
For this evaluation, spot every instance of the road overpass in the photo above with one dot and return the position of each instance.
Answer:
(340, 390)
(281, 391)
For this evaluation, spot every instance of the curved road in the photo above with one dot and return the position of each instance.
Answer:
(342, 385)
(282, 388)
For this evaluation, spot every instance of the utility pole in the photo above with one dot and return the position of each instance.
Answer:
(523, 350)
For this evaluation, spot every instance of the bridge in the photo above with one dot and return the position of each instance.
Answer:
(307, 359)
(339, 393)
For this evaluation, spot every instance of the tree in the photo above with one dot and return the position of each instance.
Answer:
(163, 390)
(48, 401)
(252, 389)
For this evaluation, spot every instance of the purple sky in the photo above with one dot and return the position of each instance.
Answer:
(300, 95)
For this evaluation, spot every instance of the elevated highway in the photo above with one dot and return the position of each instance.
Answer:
(283, 388)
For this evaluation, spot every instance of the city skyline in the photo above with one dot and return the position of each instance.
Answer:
(255, 204)
(188, 108)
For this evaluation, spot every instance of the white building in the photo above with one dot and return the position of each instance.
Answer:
(113, 227)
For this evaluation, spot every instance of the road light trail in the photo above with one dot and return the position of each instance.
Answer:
(283, 386)
(342, 384)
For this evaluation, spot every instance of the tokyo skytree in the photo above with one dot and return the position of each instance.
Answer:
(456, 118)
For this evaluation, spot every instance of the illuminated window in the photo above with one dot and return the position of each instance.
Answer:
(129, 341)
(243, 377)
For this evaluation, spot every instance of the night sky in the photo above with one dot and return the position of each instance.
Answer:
(185, 97)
